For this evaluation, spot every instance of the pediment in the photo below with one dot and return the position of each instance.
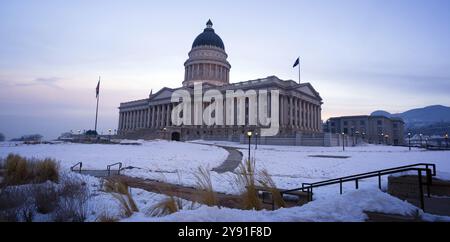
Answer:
(162, 94)
(309, 90)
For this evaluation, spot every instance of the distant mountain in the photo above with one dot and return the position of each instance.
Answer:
(421, 116)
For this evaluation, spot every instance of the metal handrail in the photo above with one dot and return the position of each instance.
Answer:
(108, 168)
(77, 164)
(379, 171)
(308, 187)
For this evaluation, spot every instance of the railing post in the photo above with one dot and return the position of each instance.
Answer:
(429, 181)
(356, 184)
(379, 180)
(340, 186)
(422, 203)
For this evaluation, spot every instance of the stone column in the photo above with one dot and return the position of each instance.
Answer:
(316, 117)
(320, 118)
(291, 115)
(169, 114)
(308, 116)
(158, 116)
(281, 110)
(295, 112)
(131, 120)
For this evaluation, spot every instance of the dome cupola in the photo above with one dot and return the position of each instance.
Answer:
(208, 38)
(207, 61)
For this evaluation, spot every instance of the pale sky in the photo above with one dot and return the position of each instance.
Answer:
(360, 55)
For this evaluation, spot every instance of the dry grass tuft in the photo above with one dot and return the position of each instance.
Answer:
(205, 187)
(121, 192)
(46, 170)
(265, 180)
(20, 170)
(167, 206)
(17, 170)
(245, 181)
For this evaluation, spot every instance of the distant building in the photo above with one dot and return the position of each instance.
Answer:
(371, 129)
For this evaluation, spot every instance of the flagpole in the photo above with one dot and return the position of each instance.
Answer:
(96, 111)
(299, 80)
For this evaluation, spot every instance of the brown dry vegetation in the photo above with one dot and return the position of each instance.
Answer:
(19, 170)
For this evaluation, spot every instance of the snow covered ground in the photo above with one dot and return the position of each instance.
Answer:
(289, 166)
(151, 155)
(349, 207)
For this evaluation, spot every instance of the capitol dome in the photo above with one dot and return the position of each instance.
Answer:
(208, 38)
(207, 62)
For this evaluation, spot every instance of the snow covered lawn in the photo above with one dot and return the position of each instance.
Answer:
(290, 166)
(152, 155)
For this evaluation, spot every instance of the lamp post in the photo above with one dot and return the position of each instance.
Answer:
(165, 130)
(426, 143)
(409, 141)
(420, 135)
(357, 135)
(343, 141)
(256, 140)
(446, 140)
(386, 137)
(249, 134)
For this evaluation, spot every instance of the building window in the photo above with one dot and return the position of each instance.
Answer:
(362, 122)
(395, 125)
(379, 122)
(345, 131)
(332, 124)
(345, 123)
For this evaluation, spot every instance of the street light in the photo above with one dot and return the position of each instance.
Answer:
(164, 130)
(409, 141)
(343, 141)
(420, 135)
(249, 134)
(256, 140)
(446, 140)
(386, 137)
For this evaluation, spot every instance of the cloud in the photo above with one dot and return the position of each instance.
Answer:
(49, 82)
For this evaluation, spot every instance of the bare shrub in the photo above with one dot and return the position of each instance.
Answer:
(73, 187)
(70, 210)
(12, 199)
(120, 191)
(204, 185)
(73, 197)
(46, 197)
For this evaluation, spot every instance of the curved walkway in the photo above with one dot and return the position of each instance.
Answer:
(231, 162)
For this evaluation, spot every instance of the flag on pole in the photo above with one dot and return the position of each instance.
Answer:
(297, 62)
(97, 90)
